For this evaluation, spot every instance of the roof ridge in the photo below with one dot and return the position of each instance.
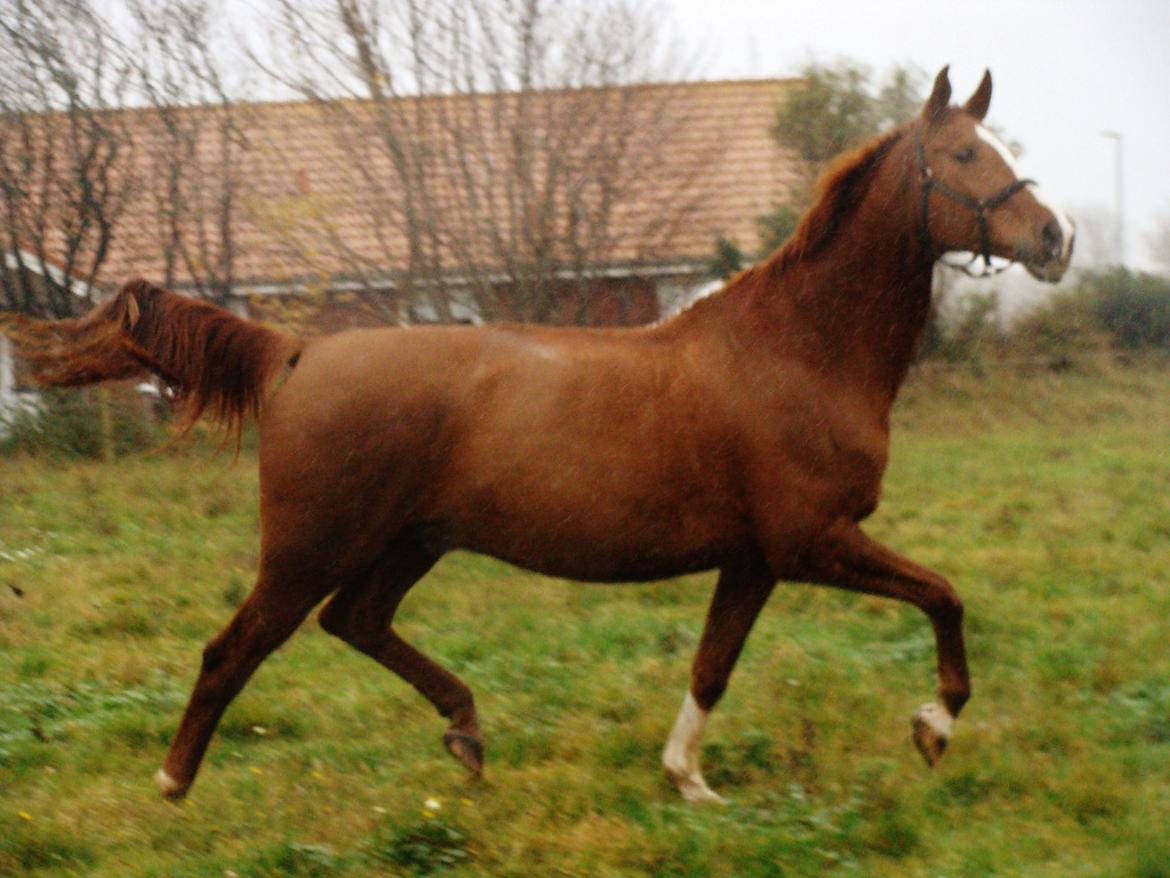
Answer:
(449, 95)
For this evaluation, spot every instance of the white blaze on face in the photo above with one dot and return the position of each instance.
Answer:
(1066, 226)
(988, 137)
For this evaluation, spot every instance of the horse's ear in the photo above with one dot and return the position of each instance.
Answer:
(940, 96)
(132, 310)
(978, 103)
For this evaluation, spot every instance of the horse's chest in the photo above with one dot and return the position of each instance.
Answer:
(858, 465)
(828, 468)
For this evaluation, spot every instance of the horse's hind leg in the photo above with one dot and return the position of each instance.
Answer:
(361, 615)
(274, 609)
(847, 558)
(739, 596)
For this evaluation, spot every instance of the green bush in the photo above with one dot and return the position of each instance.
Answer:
(1114, 310)
(1064, 330)
(1133, 307)
(68, 423)
(971, 326)
(727, 260)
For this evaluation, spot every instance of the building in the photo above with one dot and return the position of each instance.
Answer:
(323, 214)
(597, 206)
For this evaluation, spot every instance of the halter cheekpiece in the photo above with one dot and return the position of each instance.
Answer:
(982, 207)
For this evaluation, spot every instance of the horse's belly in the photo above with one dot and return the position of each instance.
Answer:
(601, 562)
(607, 540)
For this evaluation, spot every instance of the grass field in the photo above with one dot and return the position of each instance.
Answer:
(1046, 499)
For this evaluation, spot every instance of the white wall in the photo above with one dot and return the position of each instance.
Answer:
(679, 293)
(11, 399)
(7, 379)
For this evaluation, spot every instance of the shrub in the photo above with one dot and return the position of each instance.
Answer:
(68, 423)
(1063, 329)
(1133, 307)
(1111, 310)
(727, 259)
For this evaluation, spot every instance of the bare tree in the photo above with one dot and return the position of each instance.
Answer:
(337, 58)
(502, 150)
(194, 140)
(61, 197)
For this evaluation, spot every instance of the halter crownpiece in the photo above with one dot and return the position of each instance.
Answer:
(981, 206)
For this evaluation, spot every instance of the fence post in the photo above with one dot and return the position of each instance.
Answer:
(105, 425)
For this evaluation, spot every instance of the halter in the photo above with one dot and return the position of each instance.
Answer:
(981, 206)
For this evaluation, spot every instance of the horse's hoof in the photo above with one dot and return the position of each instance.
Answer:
(691, 785)
(932, 731)
(467, 748)
(696, 791)
(170, 788)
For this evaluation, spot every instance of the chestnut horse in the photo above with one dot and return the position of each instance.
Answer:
(748, 434)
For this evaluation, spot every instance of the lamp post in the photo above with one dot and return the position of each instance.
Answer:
(1118, 191)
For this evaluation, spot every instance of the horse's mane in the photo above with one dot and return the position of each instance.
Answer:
(838, 193)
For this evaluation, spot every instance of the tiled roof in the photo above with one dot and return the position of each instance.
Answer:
(304, 199)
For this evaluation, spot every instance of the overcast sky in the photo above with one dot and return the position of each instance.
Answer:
(1064, 71)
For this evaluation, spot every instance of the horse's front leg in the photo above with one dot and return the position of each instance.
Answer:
(739, 596)
(847, 558)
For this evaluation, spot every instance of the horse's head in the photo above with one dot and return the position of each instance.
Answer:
(973, 197)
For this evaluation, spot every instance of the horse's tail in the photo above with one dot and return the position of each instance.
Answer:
(212, 361)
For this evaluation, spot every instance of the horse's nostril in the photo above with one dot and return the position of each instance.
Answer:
(1053, 238)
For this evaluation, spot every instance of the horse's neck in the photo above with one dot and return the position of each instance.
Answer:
(866, 310)
(855, 309)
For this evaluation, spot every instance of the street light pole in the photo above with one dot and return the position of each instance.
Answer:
(1118, 191)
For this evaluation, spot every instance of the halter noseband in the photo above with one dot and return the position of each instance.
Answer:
(982, 207)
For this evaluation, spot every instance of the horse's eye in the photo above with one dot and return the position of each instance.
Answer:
(965, 156)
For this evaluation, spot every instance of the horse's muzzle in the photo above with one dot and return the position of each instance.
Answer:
(1054, 253)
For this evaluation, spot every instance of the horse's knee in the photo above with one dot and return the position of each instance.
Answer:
(943, 604)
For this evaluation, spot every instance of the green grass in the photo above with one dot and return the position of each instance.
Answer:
(1046, 499)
